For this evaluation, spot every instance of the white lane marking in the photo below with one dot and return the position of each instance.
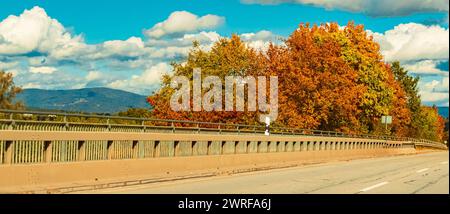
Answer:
(374, 186)
(444, 162)
(422, 170)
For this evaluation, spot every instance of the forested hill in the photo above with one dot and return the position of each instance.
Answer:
(97, 100)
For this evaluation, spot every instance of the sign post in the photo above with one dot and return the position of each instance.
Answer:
(386, 120)
(267, 126)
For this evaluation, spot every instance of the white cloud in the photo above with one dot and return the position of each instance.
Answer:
(420, 49)
(370, 7)
(42, 69)
(435, 91)
(414, 41)
(31, 85)
(184, 22)
(36, 61)
(132, 47)
(33, 30)
(62, 79)
(180, 47)
(259, 40)
(202, 37)
(94, 75)
(7, 65)
(144, 82)
(435, 85)
(425, 68)
(434, 97)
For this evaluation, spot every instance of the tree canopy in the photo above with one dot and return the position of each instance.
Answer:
(8, 91)
(330, 78)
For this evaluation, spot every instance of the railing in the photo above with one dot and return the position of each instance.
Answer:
(37, 120)
(36, 151)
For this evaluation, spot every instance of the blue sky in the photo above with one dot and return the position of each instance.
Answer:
(119, 44)
(106, 20)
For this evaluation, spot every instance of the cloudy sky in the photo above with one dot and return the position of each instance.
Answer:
(129, 44)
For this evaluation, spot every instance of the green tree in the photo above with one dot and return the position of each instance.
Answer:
(362, 53)
(135, 112)
(429, 124)
(409, 85)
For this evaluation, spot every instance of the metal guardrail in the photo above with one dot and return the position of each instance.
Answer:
(64, 150)
(60, 121)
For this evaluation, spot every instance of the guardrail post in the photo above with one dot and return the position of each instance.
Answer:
(66, 124)
(143, 125)
(109, 149)
(109, 125)
(222, 145)
(81, 150)
(9, 148)
(48, 148)
(13, 123)
(135, 149)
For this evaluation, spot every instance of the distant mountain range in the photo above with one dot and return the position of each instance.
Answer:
(95, 100)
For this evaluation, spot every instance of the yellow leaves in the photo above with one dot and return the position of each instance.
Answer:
(329, 77)
(8, 91)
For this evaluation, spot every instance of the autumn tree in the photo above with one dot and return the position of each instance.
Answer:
(337, 81)
(430, 124)
(425, 121)
(329, 78)
(8, 91)
(317, 88)
(363, 54)
(399, 108)
(227, 57)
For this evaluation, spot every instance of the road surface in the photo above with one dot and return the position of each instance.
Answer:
(410, 174)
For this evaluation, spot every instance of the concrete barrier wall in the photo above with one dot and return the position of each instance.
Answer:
(36, 159)
(31, 147)
(27, 177)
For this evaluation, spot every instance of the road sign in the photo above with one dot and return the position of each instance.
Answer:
(386, 119)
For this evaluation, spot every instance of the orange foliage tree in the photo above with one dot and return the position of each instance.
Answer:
(318, 89)
(227, 57)
(329, 78)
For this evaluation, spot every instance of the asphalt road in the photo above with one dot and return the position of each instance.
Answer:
(410, 174)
